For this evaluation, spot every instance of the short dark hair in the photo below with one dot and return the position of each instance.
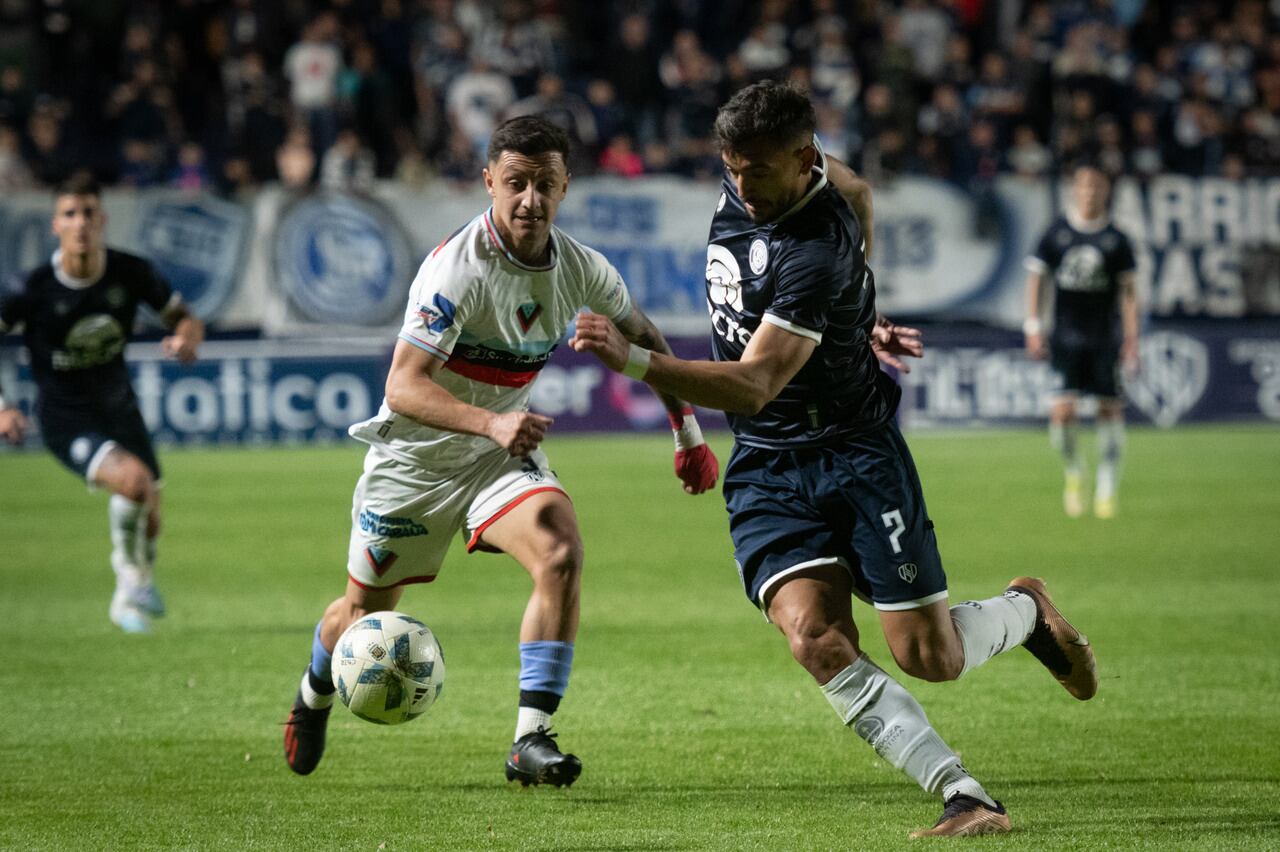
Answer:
(770, 112)
(78, 183)
(530, 135)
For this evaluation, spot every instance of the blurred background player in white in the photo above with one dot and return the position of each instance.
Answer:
(1089, 263)
(823, 497)
(455, 449)
(77, 313)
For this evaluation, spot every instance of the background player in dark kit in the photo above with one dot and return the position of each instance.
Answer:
(1089, 263)
(77, 313)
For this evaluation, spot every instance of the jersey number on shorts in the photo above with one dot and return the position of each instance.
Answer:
(893, 520)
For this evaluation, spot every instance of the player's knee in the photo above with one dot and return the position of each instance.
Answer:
(818, 645)
(929, 663)
(560, 564)
(136, 485)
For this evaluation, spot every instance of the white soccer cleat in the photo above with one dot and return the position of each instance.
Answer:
(126, 614)
(1073, 496)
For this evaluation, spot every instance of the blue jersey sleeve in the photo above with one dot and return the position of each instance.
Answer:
(808, 277)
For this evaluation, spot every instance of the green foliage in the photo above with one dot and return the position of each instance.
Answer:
(695, 728)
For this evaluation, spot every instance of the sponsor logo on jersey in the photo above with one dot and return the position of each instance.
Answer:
(729, 328)
(758, 256)
(197, 244)
(94, 340)
(439, 314)
(390, 527)
(1174, 376)
(343, 259)
(1082, 269)
(724, 277)
(527, 314)
(380, 559)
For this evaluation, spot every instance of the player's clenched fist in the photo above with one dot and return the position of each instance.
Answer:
(518, 432)
(12, 425)
(597, 335)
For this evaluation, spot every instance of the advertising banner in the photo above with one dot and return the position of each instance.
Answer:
(254, 392)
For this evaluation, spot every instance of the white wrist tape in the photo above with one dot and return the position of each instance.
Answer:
(637, 362)
(1031, 326)
(689, 435)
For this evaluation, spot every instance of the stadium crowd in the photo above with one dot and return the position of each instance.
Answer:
(229, 94)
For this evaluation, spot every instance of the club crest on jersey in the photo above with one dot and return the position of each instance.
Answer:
(527, 314)
(380, 559)
(439, 315)
(758, 256)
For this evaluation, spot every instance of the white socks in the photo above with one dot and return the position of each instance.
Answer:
(884, 714)
(128, 539)
(1062, 437)
(311, 698)
(530, 719)
(993, 626)
(1110, 448)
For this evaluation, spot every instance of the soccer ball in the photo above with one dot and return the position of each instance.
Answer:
(388, 668)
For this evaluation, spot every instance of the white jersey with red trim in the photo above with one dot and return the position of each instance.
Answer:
(494, 321)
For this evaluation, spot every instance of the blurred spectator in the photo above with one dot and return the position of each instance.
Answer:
(348, 165)
(1146, 155)
(518, 45)
(632, 68)
(295, 159)
(476, 99)
(15, 99)
(191, 173)
(619, 158)
(312, 66)
(142, 163)
(14, 174)
(47, 152)
(567, 111)
(925, 30)
(1027, 157)
(461, 161)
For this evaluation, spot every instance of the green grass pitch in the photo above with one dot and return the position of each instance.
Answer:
(696, 729)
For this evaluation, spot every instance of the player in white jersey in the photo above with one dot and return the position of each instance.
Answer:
(454, 447)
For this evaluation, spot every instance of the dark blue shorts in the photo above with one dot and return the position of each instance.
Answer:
(78, 436)
(857, 504)
(1092, 371)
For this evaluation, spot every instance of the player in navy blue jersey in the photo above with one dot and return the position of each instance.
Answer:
(1090, 265)
(77, 312)
(823, 498)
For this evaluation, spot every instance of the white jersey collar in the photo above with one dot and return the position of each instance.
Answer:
(70, 281)
(820, 169)
(1087, 226)
(489, 226)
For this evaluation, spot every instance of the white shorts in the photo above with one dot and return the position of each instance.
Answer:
(403, 517)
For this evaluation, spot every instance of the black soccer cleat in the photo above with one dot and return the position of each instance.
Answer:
(536, 759)
(304, 736)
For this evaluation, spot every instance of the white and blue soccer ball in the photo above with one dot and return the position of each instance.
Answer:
(388, 668)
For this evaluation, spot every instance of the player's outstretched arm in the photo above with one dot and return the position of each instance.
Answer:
(695, 464)
(889, 340)
(771, 359)
(188, 334)
(413, 392)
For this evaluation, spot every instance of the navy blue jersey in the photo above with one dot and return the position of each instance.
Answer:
(806, 272)
(1085, 268)
(76, 330)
